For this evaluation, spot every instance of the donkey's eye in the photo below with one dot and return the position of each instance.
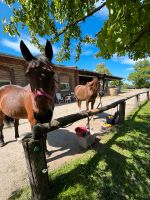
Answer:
(43, 75)
(27, 73)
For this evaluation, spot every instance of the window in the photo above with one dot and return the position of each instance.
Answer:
(4, 82)
(64, 86)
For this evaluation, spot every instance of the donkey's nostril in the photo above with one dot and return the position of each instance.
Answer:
(43, 118)
(49, 114)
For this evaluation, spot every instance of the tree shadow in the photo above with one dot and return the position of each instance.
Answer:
(137, 111)
(124, 173)
(65, 143)
(118, 170)
(15, 194)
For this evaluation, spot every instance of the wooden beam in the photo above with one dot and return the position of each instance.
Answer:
(69, 119)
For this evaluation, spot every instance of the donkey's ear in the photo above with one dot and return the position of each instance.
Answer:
(25, 52)
(49, 50)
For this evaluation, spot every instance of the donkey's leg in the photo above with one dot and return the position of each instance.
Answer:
(1, 129)
(92, 104)
(16, 124)
(79, 104)
(87, 105)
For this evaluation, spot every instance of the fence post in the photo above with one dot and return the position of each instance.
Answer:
(137, 101)
(148, 95)
(36, 164)
(122, 106)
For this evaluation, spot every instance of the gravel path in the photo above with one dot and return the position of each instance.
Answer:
(62, 143)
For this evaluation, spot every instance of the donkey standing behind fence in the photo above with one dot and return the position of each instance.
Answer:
(87, 93)
(35, 101)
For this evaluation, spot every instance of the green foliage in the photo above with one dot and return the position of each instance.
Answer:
(127, 86)
(141, 75)
(117, 169)
(125, 32)
(51, 18)
(101, 68)
(115, 83)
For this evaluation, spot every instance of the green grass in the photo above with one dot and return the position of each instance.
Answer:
(118, 169)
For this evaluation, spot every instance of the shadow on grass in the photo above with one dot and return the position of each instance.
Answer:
(118, 168)
(16, 193)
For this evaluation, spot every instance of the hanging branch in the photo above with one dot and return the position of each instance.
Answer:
(81, 19)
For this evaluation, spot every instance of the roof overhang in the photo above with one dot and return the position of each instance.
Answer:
(87, 73)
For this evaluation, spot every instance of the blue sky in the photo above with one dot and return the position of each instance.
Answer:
(121, 66)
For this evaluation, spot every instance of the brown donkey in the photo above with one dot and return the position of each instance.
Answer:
(35, 101)
(87, 93)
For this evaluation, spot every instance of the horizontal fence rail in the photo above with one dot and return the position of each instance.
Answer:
(69, 119)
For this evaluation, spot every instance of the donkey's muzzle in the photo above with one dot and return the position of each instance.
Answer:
(43, 118)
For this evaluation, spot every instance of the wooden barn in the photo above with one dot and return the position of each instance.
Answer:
(12, 71)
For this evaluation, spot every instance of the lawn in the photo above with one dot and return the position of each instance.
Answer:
(117, 169)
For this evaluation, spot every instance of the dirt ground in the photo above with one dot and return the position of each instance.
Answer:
(62, 143)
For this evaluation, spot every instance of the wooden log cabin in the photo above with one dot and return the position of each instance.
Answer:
(12, 71)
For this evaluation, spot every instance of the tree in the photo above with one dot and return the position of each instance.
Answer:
(101, 68)
(141, 75)
(127, 31)
(115, 83)
(127, 86)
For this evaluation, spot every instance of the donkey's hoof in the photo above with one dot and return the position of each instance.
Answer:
(19, 139)
(2, 144)
(48, 153)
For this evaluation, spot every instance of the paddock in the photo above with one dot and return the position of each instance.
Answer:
(62, 143)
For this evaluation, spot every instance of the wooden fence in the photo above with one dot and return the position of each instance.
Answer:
(33, 145)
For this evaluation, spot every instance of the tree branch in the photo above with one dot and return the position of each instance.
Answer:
(81, 19)
(144, 31)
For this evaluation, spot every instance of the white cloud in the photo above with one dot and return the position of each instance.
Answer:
(34, 50)
(15, 45)
(55, 49)
(42, 41)
(129, 69)
(104, 13)
(87, 45)
(126, 60)
(10, 44)
(87, 53)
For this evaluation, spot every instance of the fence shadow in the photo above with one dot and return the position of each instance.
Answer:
(64, 142)
(119, 169)
(123, 175)
(101, 115)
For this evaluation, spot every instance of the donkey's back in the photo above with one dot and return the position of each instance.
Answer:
(82, 92)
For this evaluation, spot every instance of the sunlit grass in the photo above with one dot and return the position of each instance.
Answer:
(118, 169)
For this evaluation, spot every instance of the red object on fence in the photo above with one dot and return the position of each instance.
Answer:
(81, 131)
